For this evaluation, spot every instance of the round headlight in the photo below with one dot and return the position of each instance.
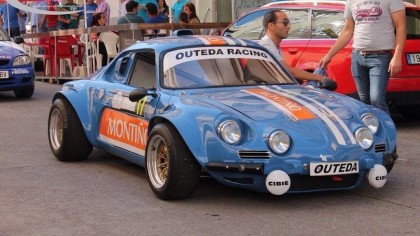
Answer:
(364, 137)
(371, 122)
(230, 131)
(279, 142)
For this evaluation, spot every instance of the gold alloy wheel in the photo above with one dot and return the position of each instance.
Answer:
(158, 162)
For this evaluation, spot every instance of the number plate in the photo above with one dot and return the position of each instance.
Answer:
(4, 74)
(333, 168)
(413, 58)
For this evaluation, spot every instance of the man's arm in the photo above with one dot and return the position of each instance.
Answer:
(398, 18)
(344, 38)
(302, 75)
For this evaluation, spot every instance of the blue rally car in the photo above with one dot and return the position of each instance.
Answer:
(188, 106)
(16, 71)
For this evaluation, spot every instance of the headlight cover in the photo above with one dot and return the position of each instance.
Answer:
(279, 142)
(364, 137)
(371, 122)
(230, 132)
(21, 60)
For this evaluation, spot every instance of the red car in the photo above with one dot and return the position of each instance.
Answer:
(315, 27)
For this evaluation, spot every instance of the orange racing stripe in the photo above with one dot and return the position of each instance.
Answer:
(292, 107)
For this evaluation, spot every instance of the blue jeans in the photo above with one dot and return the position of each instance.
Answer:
(370, 73)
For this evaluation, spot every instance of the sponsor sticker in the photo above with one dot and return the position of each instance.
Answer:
(124, 131)
(201, 53)
(20, 71)
(287, 105)
(334, 168)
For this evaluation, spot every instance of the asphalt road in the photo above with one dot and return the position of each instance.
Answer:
(109, 196)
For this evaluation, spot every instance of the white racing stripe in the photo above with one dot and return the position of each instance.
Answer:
(336, 132)
(340, 121)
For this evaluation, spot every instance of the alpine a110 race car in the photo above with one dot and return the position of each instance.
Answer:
(188, 106)
(16, 71)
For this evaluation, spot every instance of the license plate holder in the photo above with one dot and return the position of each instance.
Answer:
(413, 58)
(333, 168)
(4, 74)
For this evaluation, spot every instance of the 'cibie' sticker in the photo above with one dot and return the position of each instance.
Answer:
(289, 106)
(124, 131)
(201, 53)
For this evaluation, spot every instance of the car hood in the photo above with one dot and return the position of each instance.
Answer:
(10, 49)
(269, 103)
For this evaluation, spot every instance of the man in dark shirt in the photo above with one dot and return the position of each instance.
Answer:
(131, 16)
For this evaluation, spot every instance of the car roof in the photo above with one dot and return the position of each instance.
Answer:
(321, 4)
(166, 43)
(318, 4)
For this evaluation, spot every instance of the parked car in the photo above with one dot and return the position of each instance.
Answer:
(315, 27)
(191, 105)
(16, 71)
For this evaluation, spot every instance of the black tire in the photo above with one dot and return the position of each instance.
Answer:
(171, 170)
(24, 93)
(66, 136)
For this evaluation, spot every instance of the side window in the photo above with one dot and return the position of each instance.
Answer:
(122, 68)
(144, 72)
(299, 21)
(327, 24)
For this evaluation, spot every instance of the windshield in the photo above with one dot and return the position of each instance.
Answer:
(413, 24)
(221, 66)
(3, 35)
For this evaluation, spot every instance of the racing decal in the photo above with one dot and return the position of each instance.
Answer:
(124, 131)
(211, 40)
(20, 71)
(287, 105)
(334, 168)
(327, 114)
(177, 57)
(140, 106)
(293, 101)
(121, 102)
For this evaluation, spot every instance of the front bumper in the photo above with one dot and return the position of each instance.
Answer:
(19, 78)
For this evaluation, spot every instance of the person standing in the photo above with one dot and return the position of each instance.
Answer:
(9, 15)
(377, 27)
(131, 16)
(177, 8)
(189, 8)
(51, 20)
(163, 8)
(36, 19)
(277, 26)
(142, 11)
(90, 10)
(103, 7)
(71, 21)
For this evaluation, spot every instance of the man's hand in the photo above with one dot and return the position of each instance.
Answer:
(324, 61)
(395, 66)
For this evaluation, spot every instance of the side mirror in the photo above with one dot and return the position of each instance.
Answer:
(139, 93)
(18, 39)
(328, 84)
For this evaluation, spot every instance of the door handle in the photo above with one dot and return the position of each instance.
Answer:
(292, 50)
